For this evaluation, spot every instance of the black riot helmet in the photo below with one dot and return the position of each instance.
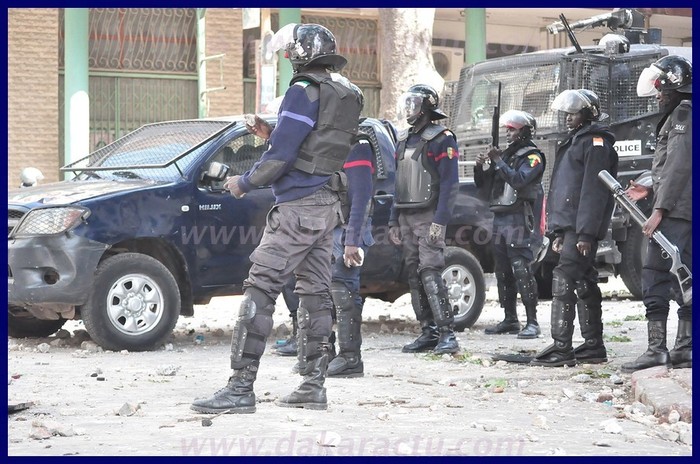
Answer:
(418, 100)
(672, 72)
(306, 45)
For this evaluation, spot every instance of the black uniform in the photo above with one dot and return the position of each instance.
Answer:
(515, 197)
(579, 208)
(673, 194)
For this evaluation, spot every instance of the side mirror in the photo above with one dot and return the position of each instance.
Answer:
(217, 171)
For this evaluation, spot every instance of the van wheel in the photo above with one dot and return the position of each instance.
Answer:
(21, 324)
(134, 304)
(465, 286)
(634, 249)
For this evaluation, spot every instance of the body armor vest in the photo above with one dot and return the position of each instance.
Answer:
(417, 181)
(327, 146)
(504, 199)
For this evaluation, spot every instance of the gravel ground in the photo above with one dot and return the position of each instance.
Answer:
(93, 402)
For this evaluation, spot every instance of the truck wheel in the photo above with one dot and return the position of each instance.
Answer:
(633, 251)
(134, 304)
(465, 286)
(21, 324)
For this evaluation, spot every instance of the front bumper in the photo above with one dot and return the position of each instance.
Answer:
(58, 269)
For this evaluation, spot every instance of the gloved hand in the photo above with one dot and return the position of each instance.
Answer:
(395, 235)
(436, 233)
(231, 185)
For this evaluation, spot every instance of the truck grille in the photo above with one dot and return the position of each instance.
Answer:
(13, 217)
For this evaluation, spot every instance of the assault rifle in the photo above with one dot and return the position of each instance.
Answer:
(680, 270)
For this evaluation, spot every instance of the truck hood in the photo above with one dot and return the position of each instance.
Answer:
(68, 191)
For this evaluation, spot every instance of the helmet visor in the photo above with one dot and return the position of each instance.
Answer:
(282, 39)
(649, 81)
(515, 119)
(409, 106)
(570, 101)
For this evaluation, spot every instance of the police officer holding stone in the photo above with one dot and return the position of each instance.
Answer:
(513, 182)
(579, 208)
(670, 79)
(317, 123)
(426, 185)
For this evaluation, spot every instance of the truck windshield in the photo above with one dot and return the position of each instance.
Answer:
(160, 152)
(526, 84)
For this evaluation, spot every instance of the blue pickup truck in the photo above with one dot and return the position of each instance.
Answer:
(144, 232)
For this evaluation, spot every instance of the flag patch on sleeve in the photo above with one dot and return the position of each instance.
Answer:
(450, 152)
(534, 160)
(597, 141)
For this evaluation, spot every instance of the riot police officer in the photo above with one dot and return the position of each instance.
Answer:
(426, 184)
(317, 123)
(670, 79)
(579, 208)
(513, 181)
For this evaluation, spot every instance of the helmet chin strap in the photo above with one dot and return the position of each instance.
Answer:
(421, 121)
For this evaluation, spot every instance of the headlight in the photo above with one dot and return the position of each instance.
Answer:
(50, 221)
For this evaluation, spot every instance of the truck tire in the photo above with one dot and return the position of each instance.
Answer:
(134, 304)
(21, 324)
(465, 286)
(633, 250)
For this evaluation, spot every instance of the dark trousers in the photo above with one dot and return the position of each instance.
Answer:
(659, 285)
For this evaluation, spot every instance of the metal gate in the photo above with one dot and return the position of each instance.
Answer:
(142, 69)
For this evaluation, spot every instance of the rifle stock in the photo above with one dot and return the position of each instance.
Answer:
(680, 270)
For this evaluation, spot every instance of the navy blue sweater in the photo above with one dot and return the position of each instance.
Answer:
(297, 116)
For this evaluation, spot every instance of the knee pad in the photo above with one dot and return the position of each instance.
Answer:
(588, 292)
(525, 281)
(314, 330)
(438, 299)
(341, 296)
(252, 328)
(561, 284)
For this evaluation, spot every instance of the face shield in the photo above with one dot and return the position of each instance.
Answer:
(570, 101)
(649, 80)
(282, 39)
(515, 119)
(409, 107)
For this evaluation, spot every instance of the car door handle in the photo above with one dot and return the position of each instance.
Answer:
(383, 198)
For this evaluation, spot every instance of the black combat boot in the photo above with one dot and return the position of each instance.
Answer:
(289, 347)
(237, 397)
(447, 342)
(682, 352)
(310, 394)
(507, 296)
(560, 353)
(348, 363)
(428, 338)
(532, 328)
(592, 350)
(426, 341)
(441, 309)
(656, 354)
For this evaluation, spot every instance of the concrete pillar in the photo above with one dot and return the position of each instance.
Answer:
(475, 35)
(77, 97)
